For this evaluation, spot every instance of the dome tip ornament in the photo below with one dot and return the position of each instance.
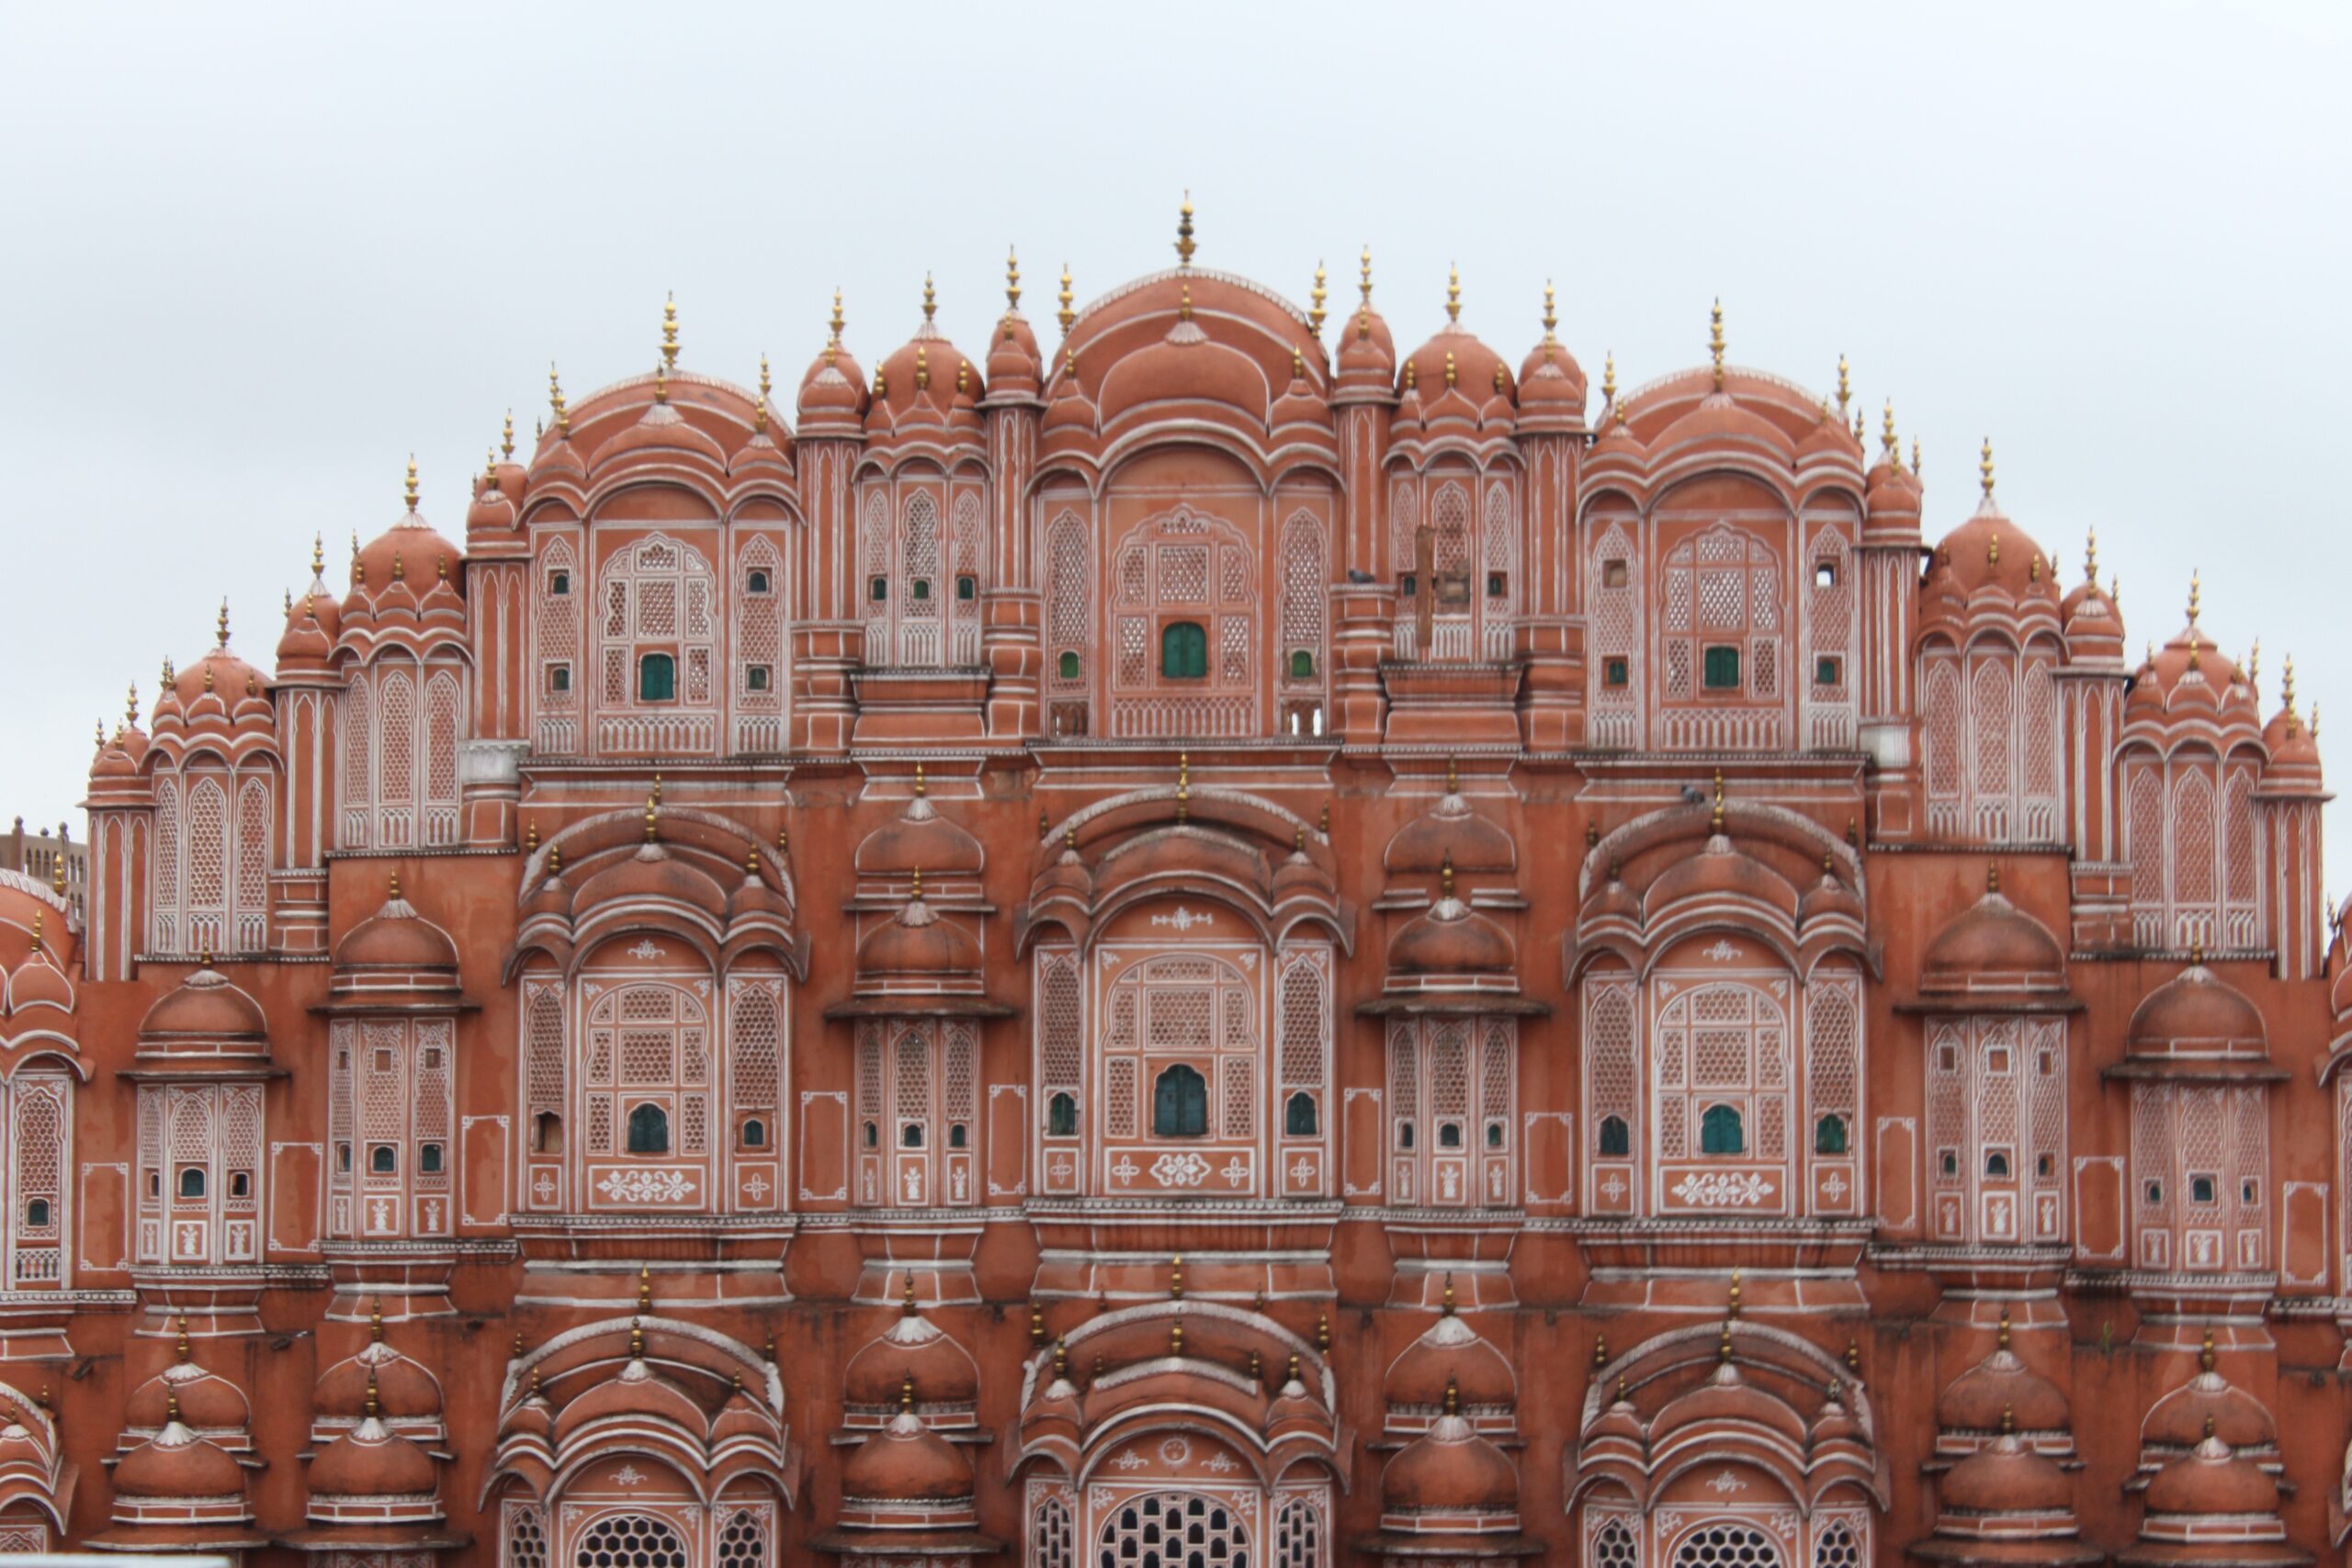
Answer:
(670, 330)
(1065, 315)
(1715, 339)
(1317, 295)
(930, 298)
(1845, 387)
(1452, 294)
(1184, 244)
(1012, 278)
(408, 493)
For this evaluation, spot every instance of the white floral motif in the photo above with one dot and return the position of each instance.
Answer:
(646, 951)
(1236, 1171)
(1220, 1464)
(1131, 1460)
(1722, 952)
(1180, 1171)
(1726, 1484)
(1175, 1450)
(1184, 920)
(1723, 1190)
(628, 1476)
(646, 1186)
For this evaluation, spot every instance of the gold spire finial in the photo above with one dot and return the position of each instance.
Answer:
(489, 468)
(834, 343)
(661, 382)
(1176, 1278)
(1715, 339)
(914, 891)
(636, 1340)
(1445, 876)
(506, 435)
(2090, 558)
(559, 405)
(2205, 1352)
(1364, 276)
(1452, 292)
(220, 624)
(1599, 1351)
(1012, 278)
(669, 331)
(1184, 308)
(1176, 1338)
(1888, 447)
(1453, 775)
(2008, 1421)
(393, 888)
(1184, 246)
(2254, 661)
(1317, 295)
(1183, 786)
(1446, 1306)
(760, 415)
(1984, 467)
(2003, 1338)
(1845, 388)
(1061, 1361)
(930, 298)
(1451, 373)
(653, 820)
(375, 1320)
(923, 369)
(1735, 1293)
(1065, 315)
(409, 488)
(1718, 817)
(318, 555)
(923, 785)
(1723, 1345)
(1551, 316)
(2287, 683)
(1609, 379)
(1918, 472)
(644, 1287)
(2196, 595)
(1453, 1396)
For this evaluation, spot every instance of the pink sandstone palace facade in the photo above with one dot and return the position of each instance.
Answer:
(1190, 943)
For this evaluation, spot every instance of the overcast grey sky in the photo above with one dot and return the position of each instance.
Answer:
(252, 257)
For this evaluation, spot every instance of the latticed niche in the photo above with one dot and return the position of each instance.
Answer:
(402, 722)
(916, 1112)
(1452, 1085)
(211, 865)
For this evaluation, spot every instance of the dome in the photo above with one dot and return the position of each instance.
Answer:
(40, 982)
(2208, 1403)
(1992, 945)
(832, 392)
(1459, 379)
(1998, 1391)
(912, 1347)
(2211, 1480)
(404, 1390)
(370, 1460)
(1450, 1353)
(1450, 830)
(651, 873)
(178, 1465)
(2196, 1014)
(660, 433)
(309, 639)
(1016, 367)
(1552, 386)
(915, 946)
(396, 938)
(1720, 420)
(410, 551)
(2007, 1477)
(2293, 764)
(1450, 1469)
(1300, 411)
(1367, 354)
(907, 1462)
(1451, 940)
(919, 838)
(205, 1401)
(1988, 552)
(1721, 870)
(205, 1006)
(1185, 366)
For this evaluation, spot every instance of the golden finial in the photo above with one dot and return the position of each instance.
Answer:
(1718, 817)
(1853, 1353)
(131, 705)
(657, 789)
(506, 435)
(1992, 550)
(767, 1350)
(179, 1345)
(1453, 1398)
(171, 1408)
(375, 1320)
(907, 1394)
(2003, 1338)
(1599, 1351)
(1453, 775)
(2205, 1353)
(1257, 1367)
(1916, 471)
(1183, 786)
(1445, 876)
(635, 1339)
(834, 343)
(661, 382)
(1184, 246)
(489, 469)
(2314, 721)
(1297, 362)
(923, 369)
(1502, 376)
(1317, 295)
(1845, 388)
(1323, 822)
(1551, 316)
(1984, 467)
(1012, 278)
(518, 1344)
(555, 859)
(1176, 1278)
(1715, 340)
(1036, 1323)
(1323, 1333)
(1453, 293)
(653, 820)
(1446, 1304)
(923, 785)
(1184, 308)
(881, 382)
(393, 888)
(1723, 1345)
(1735, 1293)
(1061, 1361)
(1861, 430)
(1888, 447)
(102, 734)
(963, 376)
(1176, 1337)
(1609, 379)
(1450, 373)
(410, 485)
(1412, 374)
(220, 624)
(930, 298)
(1069, 838)
(2008, 1421)
(2196, 595)
(914, 891)
(208, 674)
(1364, 276)
(1066, 315)
(2254, 661)
(1292, 1368)
(907, 1300)
(669, 331)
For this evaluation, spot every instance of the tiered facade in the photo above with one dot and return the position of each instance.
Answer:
(1208, 945)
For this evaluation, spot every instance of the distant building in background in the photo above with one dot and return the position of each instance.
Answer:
(36, 854)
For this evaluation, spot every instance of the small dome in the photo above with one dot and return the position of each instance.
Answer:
(39, 982)
(370, 1460)
(1366, 353)
(661, 434)
(1451, 1470)
(2293, 764)
(1550, 383)
(833, 388)
(1450, 830)
(918, 840)
(1720, 420)
(1186, 366)
(205, 1401)
(1454, 379)
(2007, 1477)
(1450, 1353)
(1015, 366)
(1451, 940)
(907, 1462)
(651, 873)
(178, 1465)
(205, 1006)
(2001, 1389)
(2210, 1480)
(408, 552)
(2194, 1014)
(2181, 1418)
(1992, 945)
(1988, 552)
(404, 1390)
(915, 947)
(396, 938)
(912, 1347)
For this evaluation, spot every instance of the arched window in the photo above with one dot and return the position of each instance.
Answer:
(1616, 1138)
(1179, 1104)
(1302, 664)
(1720, 1131)
(1996, 1163)
(1184, 651)
(1066, 666)
(1829, 1135)
(649, 1130)
(37, 1214)
(756, 1133)
(1299, 1115)
(657, 678)
(1061, 1116)
(546, 1134)
(192, 1181)
(633, 1540)
(384, 1160)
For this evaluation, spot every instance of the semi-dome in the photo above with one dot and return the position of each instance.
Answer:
(2005, 1476)
(205, 1008)
(410, 552)
(2210, 1479)
(912, 1347)
(1450, 941)
(919, 838)
(1993, 947)
(926, 384)
(832, 392)
(1450, 1469)
(396, 940)
(1450, 1354)
(177, 1465)
(371, 1461)
(2001, 1391)
(915, 948)
(907, 1462)
(1989, 554)
(1451, 832)
(1186, 366)
(2194, 1016)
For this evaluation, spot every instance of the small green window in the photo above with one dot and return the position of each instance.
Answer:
(1410, 587)
(1497, 584)
(1616, 1138)
(920, 589)
(649, 1131)
(560, 678)
(755, 677)
(1067, 664)
(2200, 1189)
(1302, 664)
(756, 583)
(1299, 1115)
(1825, 672)
(1829, 1135)
(1720, 1131)
(1617, 672)
(1184, 651)
(559, 583)
(878, 589)
(1061, 1116)
(1722, 668)
(968, 588)
(657, 678)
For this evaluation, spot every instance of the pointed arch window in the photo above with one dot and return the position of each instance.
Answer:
(1720, 1132)
(1179, 1103)
(657, 679)
(1184, 651)
(649, 1130)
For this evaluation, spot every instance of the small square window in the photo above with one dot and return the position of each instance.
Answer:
(1409, 586)
(1497, 584)
(1617, 672)
(1824, 574)
(1948, 1161)
(1066, 666)
(429, 1058)
(559, 583)
(2250, 1192)
(342, 1156)
(2202, 1187)
(383, 1059)
(1825, 672)
(1722, 668)
(2153, 1194)
(755, 677)
(756, 581)
(1302, 664)
(558, 677)
(241, 1184)
(428, 1159)
(2043, 1165)
(1997, 1060)
(920, 588)
(968, 588)
(1613, 574)
(878, 589)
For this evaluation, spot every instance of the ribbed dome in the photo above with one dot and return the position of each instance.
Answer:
(920, 839)
(1452, 939)
(2213, 1480)
(2180, 1419)
(2195, 1013)
(177, 1465)
(912, 1347)
(917, 945)
(1450, 1353)
(2007, 1477)
(205, 1400)
(1451, 1469)
(205, 1006)
(907, 1462)
(396, 937)
(1992, 945)
(404, 1390)
(2001, 1388)
(370, 1460)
